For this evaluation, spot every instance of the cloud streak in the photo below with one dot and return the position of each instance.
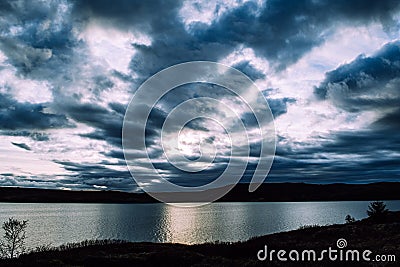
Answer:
(69, 68)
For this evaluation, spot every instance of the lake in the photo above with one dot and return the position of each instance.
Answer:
(60, 223)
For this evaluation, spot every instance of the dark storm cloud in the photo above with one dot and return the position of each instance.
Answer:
(374, 143)
(366, 155)
(189, 179)
(248, 69)
(331, 171)
(22, 11)
(334, 171)
(368, 83)
(150, 15)
(24, 57)
(249, 120)
(281, 31)
(156, 119)
(21, 145)
(89, 175)
(37, 37)
(198, 125)
(100, 84)
(8, 179)
(15, 115)
(376, 76)
(75, 182)
(30, 15)
(107, 123)
(118, 154)
(278, 106)
(284, 30)
(367, 143)
(389, 121)
(117, 107)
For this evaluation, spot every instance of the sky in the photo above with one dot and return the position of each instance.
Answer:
(330, 71)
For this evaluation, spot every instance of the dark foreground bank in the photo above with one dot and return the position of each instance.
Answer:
(381, 238)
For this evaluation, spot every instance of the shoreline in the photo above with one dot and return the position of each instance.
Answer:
(222, 202)
(381, 238)
(268, 192)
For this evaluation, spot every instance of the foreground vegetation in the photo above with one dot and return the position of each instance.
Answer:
(379, 233)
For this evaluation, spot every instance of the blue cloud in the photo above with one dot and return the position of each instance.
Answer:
(15, 115)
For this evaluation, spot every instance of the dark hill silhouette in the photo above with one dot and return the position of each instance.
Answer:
(266, 192)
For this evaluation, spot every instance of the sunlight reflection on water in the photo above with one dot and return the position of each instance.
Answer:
(61, 223)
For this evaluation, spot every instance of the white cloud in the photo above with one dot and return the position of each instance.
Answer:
(25, 89)
(207, 12)
(21, 162)
(113, 46)
(21, 88)
(246, 54)
(307, 118)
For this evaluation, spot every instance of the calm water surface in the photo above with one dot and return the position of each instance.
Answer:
(56, 224)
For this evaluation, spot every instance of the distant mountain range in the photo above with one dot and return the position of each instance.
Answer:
(268, 192)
